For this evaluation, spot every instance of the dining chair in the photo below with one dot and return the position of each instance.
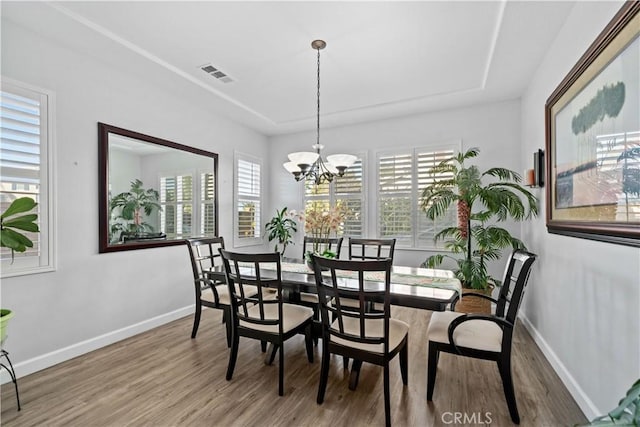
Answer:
(259, 316)
(371, 249)
(482, 336)
(372, 337)
(333, 244)
(204, 255)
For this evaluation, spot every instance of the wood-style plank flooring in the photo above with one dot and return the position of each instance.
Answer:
(164, 378)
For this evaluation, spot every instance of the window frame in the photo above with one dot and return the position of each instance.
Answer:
(414, 151)
(249, 241)
(46, 195)
(331, 197)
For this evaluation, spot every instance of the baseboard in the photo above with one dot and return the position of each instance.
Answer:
(53, 358)
(586, 405)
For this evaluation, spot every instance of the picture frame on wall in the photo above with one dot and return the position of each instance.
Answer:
(592, 124)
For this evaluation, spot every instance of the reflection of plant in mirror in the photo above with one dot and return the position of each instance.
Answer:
(126, 211)
(12, 239)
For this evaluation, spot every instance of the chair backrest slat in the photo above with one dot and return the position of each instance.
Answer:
(204, 255)
(371, 249)
(333, 244)
(515, 279)
(332, 288)
(241, 277)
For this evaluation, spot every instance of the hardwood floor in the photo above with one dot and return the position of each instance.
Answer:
(164, 378)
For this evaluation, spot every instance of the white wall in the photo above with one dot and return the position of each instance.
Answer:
(494, 128)
(582, 305)
(93, 299)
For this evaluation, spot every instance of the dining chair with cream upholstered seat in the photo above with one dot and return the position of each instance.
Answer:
(261, 316)
(483, 336)
(365, 336)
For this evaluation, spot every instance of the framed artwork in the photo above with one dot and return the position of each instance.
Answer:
(593, 139)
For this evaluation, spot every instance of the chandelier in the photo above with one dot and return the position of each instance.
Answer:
(309, 165)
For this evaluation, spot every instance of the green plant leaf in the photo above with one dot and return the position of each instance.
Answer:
(23, 204)
(15, 241)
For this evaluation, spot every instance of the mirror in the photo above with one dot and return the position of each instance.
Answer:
(153, 192)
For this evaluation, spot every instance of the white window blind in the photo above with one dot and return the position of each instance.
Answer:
(207, 204)
(176, 200)
(248, 182)
(401, 177)
(346, 191)
(25, 169)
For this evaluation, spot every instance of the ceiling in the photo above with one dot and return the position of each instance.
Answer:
(382, 60)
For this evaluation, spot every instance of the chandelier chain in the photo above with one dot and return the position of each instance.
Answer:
(318, 112)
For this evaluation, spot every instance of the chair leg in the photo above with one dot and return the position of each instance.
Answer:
(281, 372)
(387, 397)
(345, 362)
(432, 368)
(404, 363)
(226, 318)
(355, 374)
(308, 342)
(196, 319)
(504, 366)
(233, 356)
(263, 346)
(324, 372)
(271, 354)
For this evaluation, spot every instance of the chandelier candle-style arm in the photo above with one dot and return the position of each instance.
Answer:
(308, 165)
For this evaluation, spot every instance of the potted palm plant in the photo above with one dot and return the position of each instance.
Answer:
(281, 228)
(12, 222)
(127, 210)
(476, 239)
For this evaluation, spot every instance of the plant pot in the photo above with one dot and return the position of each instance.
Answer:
(5, 316)
(472, 304)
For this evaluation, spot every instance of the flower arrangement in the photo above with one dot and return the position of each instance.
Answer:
(323, 222)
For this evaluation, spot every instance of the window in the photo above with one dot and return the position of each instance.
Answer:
(346, 191)
(176, 200)
(248, 183)
(208, 204)
(401, 177)
(183, 213)
(26, 163)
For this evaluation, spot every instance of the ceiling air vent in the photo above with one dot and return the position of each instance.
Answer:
(213, 71)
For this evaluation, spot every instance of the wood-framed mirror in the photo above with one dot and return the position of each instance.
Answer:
(153, 192)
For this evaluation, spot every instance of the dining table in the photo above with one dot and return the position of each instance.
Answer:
(422, 288)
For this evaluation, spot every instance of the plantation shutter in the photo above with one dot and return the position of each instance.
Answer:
(395, 197)
(346, 191)
(24, 171)
(401, 178)
(427, 229)
(207, 204)
(248, 199)
(176, 200)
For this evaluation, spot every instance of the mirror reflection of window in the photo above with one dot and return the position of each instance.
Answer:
(177, 183)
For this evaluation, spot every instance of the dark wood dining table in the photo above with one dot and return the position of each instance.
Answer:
(424, 288)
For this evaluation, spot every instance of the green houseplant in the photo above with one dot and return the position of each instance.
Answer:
(281, 228)
(627, 413)
(12, 222)
(476, 239)
(126, 211)
(9, 223)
